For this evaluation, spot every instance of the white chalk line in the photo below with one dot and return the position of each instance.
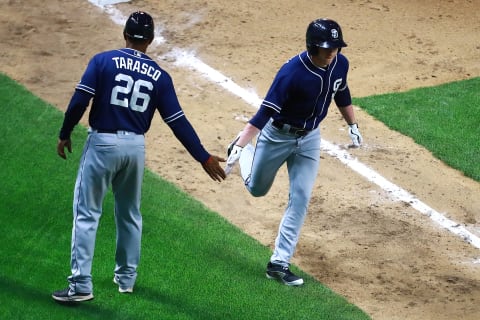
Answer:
(102, 3)
(398, 194)
(187, 59)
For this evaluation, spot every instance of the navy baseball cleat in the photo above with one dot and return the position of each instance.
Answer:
(279, 272)
(70, 296)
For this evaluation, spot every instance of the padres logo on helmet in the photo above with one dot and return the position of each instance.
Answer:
(324, 33)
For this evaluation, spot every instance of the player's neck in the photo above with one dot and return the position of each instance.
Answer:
(317, 62)
(138, 48)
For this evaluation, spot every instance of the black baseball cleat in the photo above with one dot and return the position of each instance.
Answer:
(69, 296)
(279, 272)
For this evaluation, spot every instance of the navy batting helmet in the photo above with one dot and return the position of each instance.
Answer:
(324, 33)
(140, 26)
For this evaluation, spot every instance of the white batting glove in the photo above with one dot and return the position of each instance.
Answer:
(233, 158)
(355, 134)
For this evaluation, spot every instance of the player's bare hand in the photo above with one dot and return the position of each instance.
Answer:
(61, 147)
(212, 167)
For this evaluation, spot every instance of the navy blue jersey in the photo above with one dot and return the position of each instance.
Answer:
(301, 92)
(127, 86)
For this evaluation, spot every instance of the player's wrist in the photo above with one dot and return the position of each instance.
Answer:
(209, 159)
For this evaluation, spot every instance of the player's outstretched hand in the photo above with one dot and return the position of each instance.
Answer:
(61, 147)
(212, 167)
(355, 135)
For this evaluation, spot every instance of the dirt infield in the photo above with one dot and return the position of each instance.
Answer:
(384, 256)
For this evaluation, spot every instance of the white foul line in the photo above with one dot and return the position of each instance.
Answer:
(399, 194)
(187, 59)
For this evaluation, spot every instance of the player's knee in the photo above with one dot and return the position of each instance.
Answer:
(257, 192)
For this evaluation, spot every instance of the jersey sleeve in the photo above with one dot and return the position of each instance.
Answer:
(279, 90)
(168, 104)
(260, 119)
(343, 98)
(80, 100)
(88, 82)
(173, 115)
(275, 98)
(76, 108)
(184, 132)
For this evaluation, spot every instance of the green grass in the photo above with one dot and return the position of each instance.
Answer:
(195, 265)
(444, 119)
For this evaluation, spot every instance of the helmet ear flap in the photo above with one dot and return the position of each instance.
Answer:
(312, 49)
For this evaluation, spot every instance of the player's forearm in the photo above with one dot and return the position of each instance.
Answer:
(248, 133)
(76, 108)
(185, 133)
(348, 114)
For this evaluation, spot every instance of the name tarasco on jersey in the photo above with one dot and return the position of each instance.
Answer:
(137, 66)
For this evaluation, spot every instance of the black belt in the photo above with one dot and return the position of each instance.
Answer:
(289, 129)
(106, 131)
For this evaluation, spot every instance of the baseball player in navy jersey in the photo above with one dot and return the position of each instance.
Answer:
(127, 88)
(287, 130)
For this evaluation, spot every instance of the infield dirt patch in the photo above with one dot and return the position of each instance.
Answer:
(384, 256)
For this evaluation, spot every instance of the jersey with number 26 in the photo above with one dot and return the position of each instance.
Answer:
(127, 87)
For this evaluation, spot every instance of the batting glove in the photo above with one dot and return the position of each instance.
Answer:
(355, 134)
(233, 157)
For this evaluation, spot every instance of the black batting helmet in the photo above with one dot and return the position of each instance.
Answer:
(324, 33)
(140, 26)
